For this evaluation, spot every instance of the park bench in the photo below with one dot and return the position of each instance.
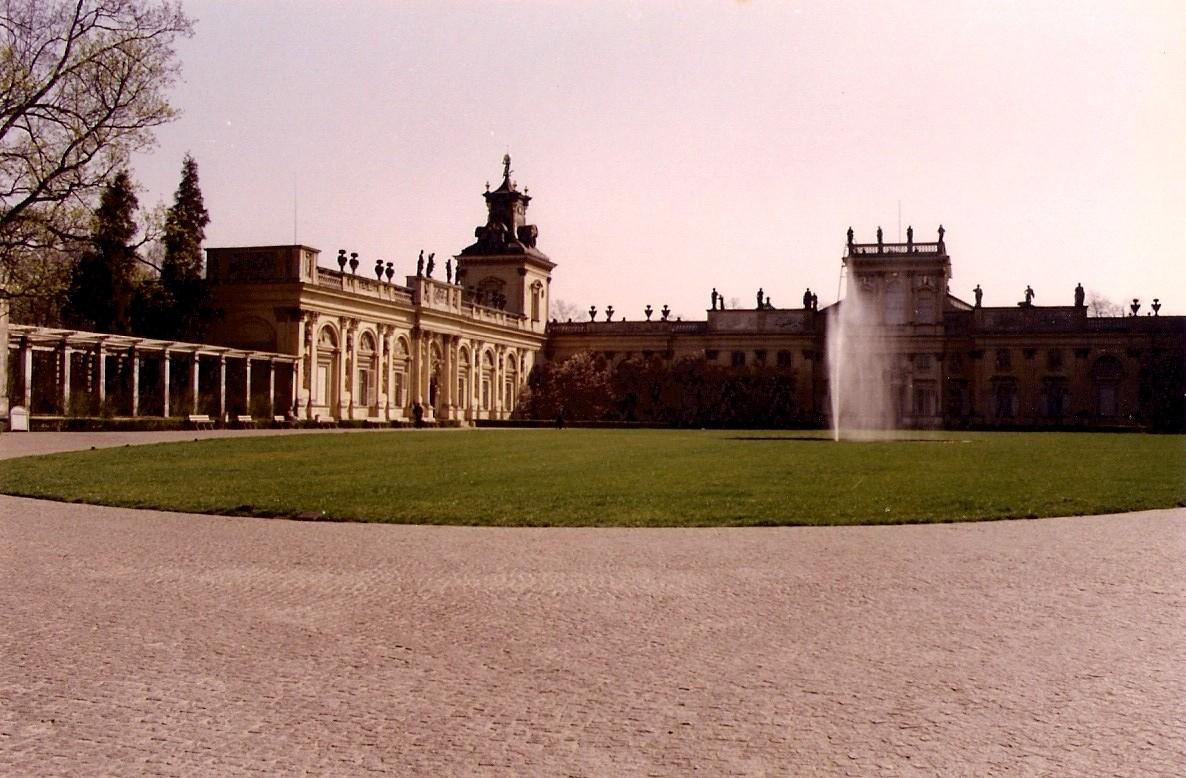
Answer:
(245, 421)
(283, 421)
(323, 421)
(201, 421)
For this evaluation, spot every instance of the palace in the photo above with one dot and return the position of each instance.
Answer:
(352, 344)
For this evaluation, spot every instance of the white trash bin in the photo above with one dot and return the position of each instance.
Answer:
(18, 419)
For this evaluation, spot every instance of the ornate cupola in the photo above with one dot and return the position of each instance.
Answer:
(503, 267)
(506, 230)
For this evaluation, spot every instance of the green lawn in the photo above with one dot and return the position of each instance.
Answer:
(624, 477)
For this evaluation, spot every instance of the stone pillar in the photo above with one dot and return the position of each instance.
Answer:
(388, 377)
(247, 384)
(101, 374)
(134, 358)
(64, 376)
(195, 381)
(415, 386)
(351, 366)
(165, 383)
(498, 379)
(272, 387)
(311, 357)
(293, 388)
(26, 374)
(222, 387)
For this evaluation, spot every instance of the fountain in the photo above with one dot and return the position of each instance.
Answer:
(860, 364)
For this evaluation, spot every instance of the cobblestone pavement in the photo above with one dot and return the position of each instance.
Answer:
(149, 643)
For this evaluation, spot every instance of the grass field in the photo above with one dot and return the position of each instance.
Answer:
(624, 477)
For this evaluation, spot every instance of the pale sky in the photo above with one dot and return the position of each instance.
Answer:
(674, 147)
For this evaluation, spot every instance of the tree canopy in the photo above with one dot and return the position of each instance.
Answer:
(103, 284)
(83, 84)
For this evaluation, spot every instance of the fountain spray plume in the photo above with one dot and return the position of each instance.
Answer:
(860, 366)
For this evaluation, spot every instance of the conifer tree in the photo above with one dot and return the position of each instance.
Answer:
(181, 280)
(102, 285)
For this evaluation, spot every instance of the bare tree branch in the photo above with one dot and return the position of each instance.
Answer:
(83, 85)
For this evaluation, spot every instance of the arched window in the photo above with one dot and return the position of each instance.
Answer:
(401, 363)
(463, 393)
(368, 369)
(487, 378)
(325, 382)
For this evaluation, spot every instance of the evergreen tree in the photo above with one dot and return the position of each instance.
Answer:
(102, 285)
(182, 286)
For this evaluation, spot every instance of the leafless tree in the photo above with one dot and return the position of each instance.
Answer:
(83, 84)
(563, 310)
(1098, 305)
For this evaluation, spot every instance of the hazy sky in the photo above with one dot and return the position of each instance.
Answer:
(673, 147)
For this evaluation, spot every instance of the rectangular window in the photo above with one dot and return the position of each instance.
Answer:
(738, 359)
(924, 398)
(784, 359)
(364, 387)
(321, 386)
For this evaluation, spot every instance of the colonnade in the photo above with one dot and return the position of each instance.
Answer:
(76, 373)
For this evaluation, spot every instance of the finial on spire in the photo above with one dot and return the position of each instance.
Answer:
(506, 166)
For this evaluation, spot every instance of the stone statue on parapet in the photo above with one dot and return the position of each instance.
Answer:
(979, 293)
(807, 299)
(909, 235)
(715, 298)
(1029, 295)
(851, 237)
(449, 271)
(760, 296)
(420, 264)
(1080, 296)
(942, 232)
(879, 237)
(431, 264)
(814, 302)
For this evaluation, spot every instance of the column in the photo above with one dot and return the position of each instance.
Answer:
(247, 384)
(499, 377)
(222, 387)
(165, 382)
(352, 367)
(415, 387)
(272, 387)
(26, 375)
(312, 357)
(101, 374)
(292, 385)
(65, 377)
(195, 380)
(134, 357)
(387, 377)
(343, 350)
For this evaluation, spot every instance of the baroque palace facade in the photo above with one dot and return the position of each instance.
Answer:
(351, 344)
